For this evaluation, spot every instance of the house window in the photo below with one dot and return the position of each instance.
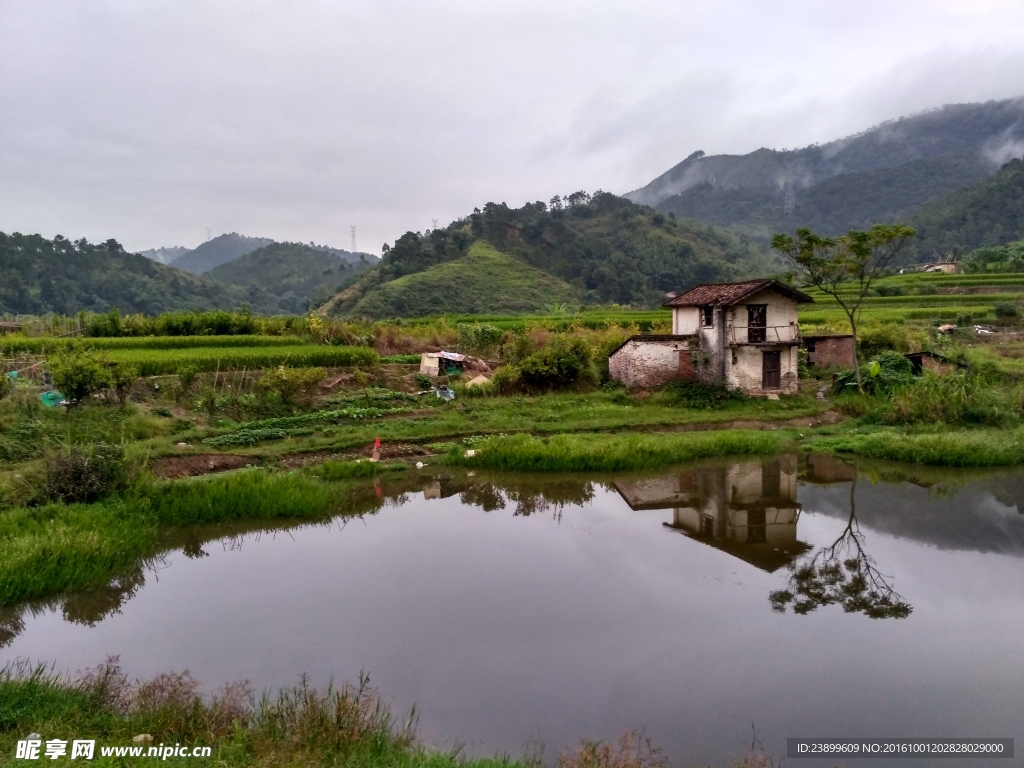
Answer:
(757, 322)
(707, 317)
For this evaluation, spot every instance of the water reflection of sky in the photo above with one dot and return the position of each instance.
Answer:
(505, 628)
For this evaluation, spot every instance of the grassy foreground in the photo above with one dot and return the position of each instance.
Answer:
(347, 725)
(300, 726)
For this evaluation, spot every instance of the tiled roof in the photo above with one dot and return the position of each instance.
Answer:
(727, 294)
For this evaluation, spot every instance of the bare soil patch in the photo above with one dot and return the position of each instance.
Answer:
(172, 467)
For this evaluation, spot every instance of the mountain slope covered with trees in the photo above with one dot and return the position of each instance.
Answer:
(881, 175)
(988, 213)
(39, 276)
(605, 248)
(286, 277)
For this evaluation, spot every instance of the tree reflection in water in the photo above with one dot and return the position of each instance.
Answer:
(841, 574)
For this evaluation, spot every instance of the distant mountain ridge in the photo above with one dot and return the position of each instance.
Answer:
(880, 175)
(219, 250)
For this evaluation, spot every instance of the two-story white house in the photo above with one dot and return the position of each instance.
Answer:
(744, 335)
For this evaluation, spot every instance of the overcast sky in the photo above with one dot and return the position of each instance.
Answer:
(152, 120)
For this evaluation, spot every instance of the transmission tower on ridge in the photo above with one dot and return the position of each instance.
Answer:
(435, 223)
(207, 233)
(787, 206)
(353, 228)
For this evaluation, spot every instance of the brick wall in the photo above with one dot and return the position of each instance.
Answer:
(829, 351)
(649, 362)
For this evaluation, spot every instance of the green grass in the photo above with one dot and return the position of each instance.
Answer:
(54, 548)
(963, 448)
(154, 362)
(611, 453)
(349, 470)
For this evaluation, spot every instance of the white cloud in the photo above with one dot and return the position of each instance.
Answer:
(152, 121)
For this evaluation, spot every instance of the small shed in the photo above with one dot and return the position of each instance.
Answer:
(442, 363)
(825, 350)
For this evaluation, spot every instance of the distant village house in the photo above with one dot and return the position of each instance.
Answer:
(743, 335)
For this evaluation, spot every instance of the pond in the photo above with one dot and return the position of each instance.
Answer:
(787, 597)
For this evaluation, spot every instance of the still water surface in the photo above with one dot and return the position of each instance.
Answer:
(691, 603)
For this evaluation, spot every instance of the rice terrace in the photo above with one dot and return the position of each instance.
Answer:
(725, 470)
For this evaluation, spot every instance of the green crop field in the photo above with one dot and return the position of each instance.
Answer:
(44, 344)
(154, 362)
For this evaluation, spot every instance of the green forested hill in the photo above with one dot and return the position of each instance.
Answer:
(881, 175)
(605, 248)
(219, 250)
(287, 277)
(988, 213)
(482, 281)
(39, 275)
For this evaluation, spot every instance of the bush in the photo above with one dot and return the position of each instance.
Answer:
(690, 393)
(1007, 310)
(78, 372)
(121, 376)
(884, 373)
(479, 338)
(559, 365)
(86, 474)
(423, 381)
(291, 383)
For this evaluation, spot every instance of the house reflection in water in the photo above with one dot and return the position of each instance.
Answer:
(747, 509)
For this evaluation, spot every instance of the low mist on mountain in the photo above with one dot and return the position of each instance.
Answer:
(884, 174)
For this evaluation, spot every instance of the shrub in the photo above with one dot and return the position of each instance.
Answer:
(86, 474)
(423, 381)
(78, 372)
(6, 385)
(690, 393)
(291, 383)
(884, 373)
(559, 365)
(121, 377)
(479, 338)
(1007, 310)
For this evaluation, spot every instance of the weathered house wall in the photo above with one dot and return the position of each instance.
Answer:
(651, 361)
(827, 351)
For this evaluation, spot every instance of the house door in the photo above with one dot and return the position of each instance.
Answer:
(771, 370)
(757, 321)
